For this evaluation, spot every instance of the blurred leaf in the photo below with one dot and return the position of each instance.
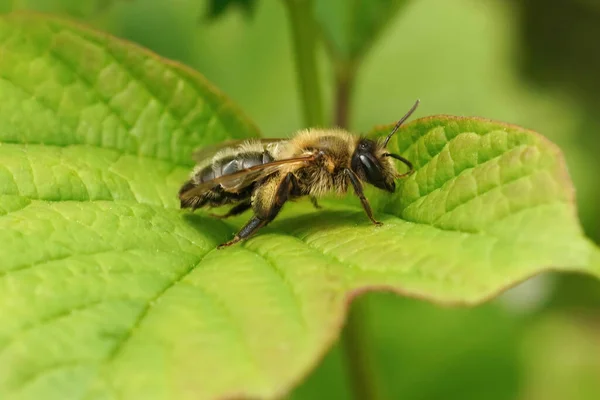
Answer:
(562, 357)
(575, 291)
(557, 46)
(140, 23)
(349, 29)
(558, 50)
(73, 8)
(351, 26)
(216, 8)
(425, 352)
(327, 381)
(108, 290)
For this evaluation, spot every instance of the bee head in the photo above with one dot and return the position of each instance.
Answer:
(372, 168)
(371, 162)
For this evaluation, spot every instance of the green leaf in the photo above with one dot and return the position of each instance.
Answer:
(489, 205)
(351, 27)
(469, 353)
(216, 8)
(560, 351)
(108, 290)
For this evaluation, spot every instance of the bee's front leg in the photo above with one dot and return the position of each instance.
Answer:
(266, 206)
(358, 189)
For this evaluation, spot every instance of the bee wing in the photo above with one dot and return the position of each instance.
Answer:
(242, 178)
(209, 151)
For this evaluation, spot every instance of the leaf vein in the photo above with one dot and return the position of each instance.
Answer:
(288, 285)
(456, 175)
(147, 308)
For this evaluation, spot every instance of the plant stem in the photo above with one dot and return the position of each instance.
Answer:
(358, 357)
(304, 34)
(344, 88)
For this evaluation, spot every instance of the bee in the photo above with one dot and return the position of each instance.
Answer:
(263, 174)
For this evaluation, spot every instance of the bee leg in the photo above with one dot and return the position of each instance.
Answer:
(358, 189)
(315, 203)
(251, 227)
(236, 210)
(268, 214)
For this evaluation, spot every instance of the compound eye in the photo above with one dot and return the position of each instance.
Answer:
(372, 171)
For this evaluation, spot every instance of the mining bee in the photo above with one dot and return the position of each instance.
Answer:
(263, 174)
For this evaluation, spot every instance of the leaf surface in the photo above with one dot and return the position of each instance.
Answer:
(108, 290)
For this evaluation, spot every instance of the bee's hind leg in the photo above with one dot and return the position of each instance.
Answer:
(235, 210)
(315, 203)
(270, 210)
(250, 228)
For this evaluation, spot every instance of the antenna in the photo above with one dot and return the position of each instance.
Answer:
(406, 116)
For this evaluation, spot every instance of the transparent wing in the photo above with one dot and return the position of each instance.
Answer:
(243, 178)
(203, 153)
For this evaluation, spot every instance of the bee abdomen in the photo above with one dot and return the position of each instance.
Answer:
(231, 164)
(213, 198)
(217, 196)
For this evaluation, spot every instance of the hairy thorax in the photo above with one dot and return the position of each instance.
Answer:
(326, 174)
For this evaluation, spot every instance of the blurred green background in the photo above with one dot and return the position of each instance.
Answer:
(530, 62)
